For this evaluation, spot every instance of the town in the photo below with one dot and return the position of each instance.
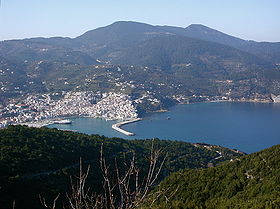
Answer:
(39, 110)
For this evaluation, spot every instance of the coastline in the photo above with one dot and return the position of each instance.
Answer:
(234, 101)
(118, 126)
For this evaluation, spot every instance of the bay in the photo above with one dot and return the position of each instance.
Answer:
(248, 127)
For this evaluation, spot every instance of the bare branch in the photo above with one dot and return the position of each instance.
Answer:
(124, 188)
(43, 202)
(14, 204)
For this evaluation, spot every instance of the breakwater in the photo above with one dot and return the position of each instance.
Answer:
(118, 128)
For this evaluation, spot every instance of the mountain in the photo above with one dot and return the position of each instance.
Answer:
(269, 51)
(251, 181)
(37, 161)
(167, 61)
(205, 33)
(109, 42)
(125, 34)
(165, 51)
(14, 80)
(8, 71)
(39, 49)
(106, 41)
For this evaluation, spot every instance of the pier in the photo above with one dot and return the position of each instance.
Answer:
(117, 126)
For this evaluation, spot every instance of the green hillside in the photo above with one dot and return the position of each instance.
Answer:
(266, 50)
(252, 181)
(14, 80)
(165, 51)
(37, 161)
(107, 41)
(29, 50)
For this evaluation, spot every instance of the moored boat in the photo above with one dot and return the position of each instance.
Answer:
(66, 121)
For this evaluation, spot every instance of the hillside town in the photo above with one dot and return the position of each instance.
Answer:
(52, 107)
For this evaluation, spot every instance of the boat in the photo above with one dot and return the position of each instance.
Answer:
(66, 121)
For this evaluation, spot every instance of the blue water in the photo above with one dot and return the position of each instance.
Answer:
(248, 127)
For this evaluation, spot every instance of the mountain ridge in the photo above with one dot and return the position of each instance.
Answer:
(139, 23)
(175, 56)
(102, 41)
(267, 50)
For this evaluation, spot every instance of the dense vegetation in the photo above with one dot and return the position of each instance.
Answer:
(251, 181)
(39, 161)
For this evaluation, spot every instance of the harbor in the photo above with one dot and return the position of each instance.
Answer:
(196, 123)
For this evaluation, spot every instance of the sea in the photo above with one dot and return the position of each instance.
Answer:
(248, 127)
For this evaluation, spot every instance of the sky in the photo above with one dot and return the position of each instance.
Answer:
(257, 20)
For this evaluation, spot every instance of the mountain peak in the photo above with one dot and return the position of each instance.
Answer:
(202, 28)
(197, 26)
(123, 22)
(203, 32)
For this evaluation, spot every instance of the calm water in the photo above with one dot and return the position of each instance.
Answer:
(248, 127)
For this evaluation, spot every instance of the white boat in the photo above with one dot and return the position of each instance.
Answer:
(66, 121)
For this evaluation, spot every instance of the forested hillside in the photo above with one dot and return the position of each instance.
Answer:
(37, 161)
(250, 181)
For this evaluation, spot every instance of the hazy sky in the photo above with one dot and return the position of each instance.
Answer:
(248, 19)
